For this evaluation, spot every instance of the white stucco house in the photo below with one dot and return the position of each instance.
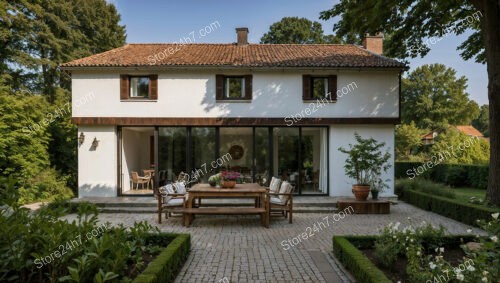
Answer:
(260, 109)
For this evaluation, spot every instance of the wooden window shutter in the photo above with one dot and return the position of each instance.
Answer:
(153, 87)
(248, 87)
(306, 87)
(124, 87)
(219, 87)
(332, 87)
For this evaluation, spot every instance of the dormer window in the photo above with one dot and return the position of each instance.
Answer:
(138, 88)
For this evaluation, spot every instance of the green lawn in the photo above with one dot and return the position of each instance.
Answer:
(466, 193)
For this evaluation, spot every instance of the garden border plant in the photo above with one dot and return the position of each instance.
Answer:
(166, 265)
(445, 206)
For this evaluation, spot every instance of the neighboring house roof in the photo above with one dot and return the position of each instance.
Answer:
(470, 131)
(465, 129)
(233, 55)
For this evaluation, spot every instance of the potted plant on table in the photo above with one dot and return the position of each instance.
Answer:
(214, 180)
(229, 179)
(365, 163)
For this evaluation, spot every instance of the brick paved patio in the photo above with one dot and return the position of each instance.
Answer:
(239, 249)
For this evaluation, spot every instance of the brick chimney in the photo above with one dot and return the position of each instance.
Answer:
(374, 43)
(242, 36)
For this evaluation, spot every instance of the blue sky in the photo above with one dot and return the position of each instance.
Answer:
(168, 21)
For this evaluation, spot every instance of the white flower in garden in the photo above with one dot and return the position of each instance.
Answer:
(495, 215)
(484, 279)
(432, 265)
(469, 231)
(436, 249)
(396, 226)
(485, 273)
(441, 250)
(471, 268)
(494, 238)
(460, 277)
(418, 253)
(411, 240)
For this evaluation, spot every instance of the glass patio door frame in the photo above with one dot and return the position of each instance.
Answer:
(189, 165)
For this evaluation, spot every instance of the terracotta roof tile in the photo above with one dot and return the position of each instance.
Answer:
(469, 130)
(232, 55)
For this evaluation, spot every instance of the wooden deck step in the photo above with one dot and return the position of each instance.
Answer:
(222, 210)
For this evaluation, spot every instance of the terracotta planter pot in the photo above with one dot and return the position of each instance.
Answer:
(228, 184)
(361, 192)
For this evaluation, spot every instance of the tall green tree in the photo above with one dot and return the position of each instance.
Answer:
(433, 97)
(409, 23)
(455, 147)
(408, 138)
(295, 30)
(482, 121)
(36, 36)
(39, 35)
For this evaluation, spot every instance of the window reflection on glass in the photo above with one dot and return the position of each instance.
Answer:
(235, 87)
(202, 154)
(286, 154)
(171, 153)
(262, 174)
(139, 87)
(320, 88)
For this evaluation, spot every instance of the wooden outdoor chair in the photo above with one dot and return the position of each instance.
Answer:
(282, 201)
(136, 179)
(169, 200)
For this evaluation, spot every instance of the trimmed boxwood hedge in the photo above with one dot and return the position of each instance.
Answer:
(346, 249)
(355, 261)
(463, 212)
(166, 265)
(455, 175)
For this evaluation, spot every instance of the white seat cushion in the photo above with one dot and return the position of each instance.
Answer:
(276, 200)
(175, 202)
(180, 187)
(274, 186)
(285, 189)
(165, 191)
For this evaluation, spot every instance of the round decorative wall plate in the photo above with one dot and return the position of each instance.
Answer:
(236, 151)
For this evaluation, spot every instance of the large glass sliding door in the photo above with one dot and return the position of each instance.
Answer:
(202, 152)
(296, 154)
(286, 154)
(262, 156)
(238, 143)
(314, 148)
(172, 142)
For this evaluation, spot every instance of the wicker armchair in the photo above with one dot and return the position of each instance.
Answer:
(136, 179)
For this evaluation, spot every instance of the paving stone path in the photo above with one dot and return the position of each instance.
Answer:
(238, 249)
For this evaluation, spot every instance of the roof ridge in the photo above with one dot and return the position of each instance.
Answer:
(253, 44)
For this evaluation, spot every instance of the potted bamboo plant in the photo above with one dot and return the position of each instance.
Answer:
(365, 163)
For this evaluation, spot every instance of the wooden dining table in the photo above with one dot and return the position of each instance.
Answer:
(250, 190)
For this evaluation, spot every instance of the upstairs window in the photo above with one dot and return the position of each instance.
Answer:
(319, 88)
(233, 88)
(139, 87)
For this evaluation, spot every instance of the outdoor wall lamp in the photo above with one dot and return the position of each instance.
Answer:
(95, 143)
(81, 138)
